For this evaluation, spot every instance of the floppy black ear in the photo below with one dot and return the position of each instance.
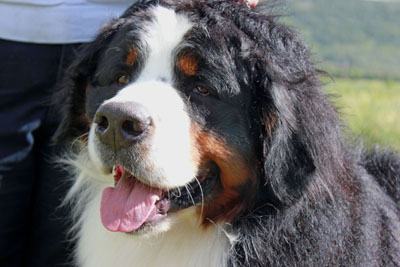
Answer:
(287, 160)
(70, 100)
(71, 94)
(300, 132)
(301, 136)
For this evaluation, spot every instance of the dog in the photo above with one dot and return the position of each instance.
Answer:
(203, 138)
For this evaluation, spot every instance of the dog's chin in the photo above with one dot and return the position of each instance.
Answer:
(155, 228)
(152, 229)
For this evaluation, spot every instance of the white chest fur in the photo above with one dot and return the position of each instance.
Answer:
(183, 245)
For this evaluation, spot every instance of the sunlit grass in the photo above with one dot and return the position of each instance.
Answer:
(371, 108)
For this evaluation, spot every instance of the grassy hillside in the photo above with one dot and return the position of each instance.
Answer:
(357, 39)
(351, 38)
(371, 109)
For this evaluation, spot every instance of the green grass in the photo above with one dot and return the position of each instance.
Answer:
(371, 109)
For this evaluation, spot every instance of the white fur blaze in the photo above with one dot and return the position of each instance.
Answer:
(167, 161)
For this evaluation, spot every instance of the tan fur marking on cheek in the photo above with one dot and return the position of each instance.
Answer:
(238, 186)
(226, 207)
(188, 65)
(238, 179)
(132, 57)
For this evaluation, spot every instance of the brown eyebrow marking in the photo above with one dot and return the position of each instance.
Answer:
(132, 56)
(188, 64)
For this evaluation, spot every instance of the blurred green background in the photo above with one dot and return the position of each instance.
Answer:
(358, 43)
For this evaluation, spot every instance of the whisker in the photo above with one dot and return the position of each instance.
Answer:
(190, 195)
(179, 193)
(202, 197)
(78, 139)
(190, 186)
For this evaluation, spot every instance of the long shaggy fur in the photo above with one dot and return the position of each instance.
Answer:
(317, 202)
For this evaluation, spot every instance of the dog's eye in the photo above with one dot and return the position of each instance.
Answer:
(201, 91)
(122, 80)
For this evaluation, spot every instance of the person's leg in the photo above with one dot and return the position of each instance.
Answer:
(28, 74)
(48, 244)
(15, 193)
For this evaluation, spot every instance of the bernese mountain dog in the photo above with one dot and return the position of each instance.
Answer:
(203, 138)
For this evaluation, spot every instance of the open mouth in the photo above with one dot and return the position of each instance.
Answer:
(132, 204)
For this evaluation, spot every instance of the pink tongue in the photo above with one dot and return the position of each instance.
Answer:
(129, 205)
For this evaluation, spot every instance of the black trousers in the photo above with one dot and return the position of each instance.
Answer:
(32, 226)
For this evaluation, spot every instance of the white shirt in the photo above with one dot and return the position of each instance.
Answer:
(56, 21)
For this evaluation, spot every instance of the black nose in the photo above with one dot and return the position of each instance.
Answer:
(120, 125)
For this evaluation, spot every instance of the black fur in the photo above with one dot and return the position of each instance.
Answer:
(319, 203)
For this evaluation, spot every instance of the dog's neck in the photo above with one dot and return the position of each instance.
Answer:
(184, 244)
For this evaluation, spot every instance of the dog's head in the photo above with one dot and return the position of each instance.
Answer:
(203, 104)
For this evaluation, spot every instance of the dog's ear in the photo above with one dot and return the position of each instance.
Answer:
(70, 99)
(287, 160)
(300, 132)
(70, 96)
(298, 125)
